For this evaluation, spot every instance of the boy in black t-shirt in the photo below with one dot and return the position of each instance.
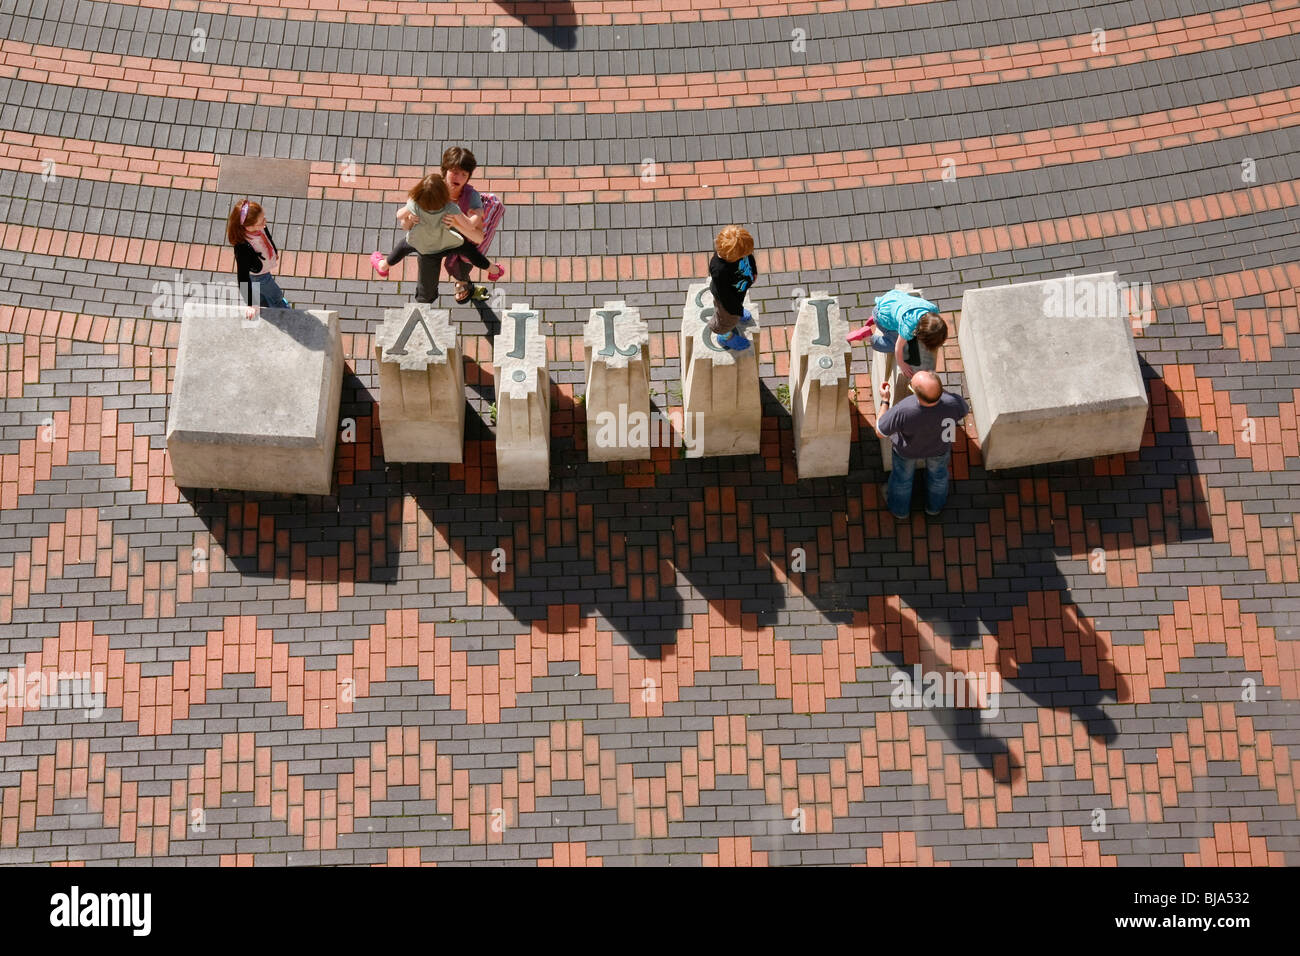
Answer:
(731, 272)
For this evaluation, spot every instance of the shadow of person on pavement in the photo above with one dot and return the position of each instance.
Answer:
(555, 21)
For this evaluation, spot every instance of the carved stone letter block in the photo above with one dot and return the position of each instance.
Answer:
(617, 347)
(421, 385)
(724, 415)
(523, 387)
(819, 388)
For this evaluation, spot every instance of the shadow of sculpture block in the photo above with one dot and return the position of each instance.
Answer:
(724, 413)
(523, 388)
(616, 343)
(1052, 370)
(421, 385)
(255, 403)
(819, 388)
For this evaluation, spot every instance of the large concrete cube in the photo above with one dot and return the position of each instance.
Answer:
(1052, 371)
(421, 385)
(724, 414)
(255, 404)
(819, 388)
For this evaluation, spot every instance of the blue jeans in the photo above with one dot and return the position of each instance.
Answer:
(916, 354)
(898, 497)
(269, 292)
(883, 340)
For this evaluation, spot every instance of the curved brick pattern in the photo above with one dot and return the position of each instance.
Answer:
(904, 251)
(765, 176)
(354, 679)
(707, 90)
(416, 13)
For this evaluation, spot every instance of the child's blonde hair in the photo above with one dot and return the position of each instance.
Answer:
(431, 193)
(734, 243)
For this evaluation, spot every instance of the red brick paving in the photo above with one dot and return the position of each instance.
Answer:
(773, 175)
(59, 66)
(563, 760)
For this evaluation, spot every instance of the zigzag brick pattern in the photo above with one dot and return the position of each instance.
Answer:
(652, 677)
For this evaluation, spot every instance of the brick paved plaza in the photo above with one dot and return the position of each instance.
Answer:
(658, 675)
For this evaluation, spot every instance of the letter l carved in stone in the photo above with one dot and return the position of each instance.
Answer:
(611, 344)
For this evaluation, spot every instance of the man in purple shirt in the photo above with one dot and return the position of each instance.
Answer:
(922, 426)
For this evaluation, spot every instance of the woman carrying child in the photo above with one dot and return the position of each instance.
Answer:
(425, 215)
(479, 216)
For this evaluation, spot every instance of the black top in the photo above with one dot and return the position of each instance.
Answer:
(730, 280)
(248, 262)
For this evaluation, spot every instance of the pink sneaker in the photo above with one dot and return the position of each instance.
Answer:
(860, 334)
(496, 272)
(376, 261)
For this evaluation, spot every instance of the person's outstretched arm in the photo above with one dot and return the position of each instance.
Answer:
(885, 425)
(471, 227)
(900, 351)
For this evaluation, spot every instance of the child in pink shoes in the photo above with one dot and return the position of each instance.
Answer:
(425, 215)
(897, 320)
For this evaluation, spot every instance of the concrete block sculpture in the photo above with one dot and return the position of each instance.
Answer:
(1052, 370)
(421, 385)
(819, 388)
(255, 403)
(523, 387)
(724, 414)
(616, 344)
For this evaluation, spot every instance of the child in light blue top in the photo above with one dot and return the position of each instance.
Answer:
(897, 318)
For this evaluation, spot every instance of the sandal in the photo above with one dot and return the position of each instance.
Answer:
(376, 261)
(463, 291)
